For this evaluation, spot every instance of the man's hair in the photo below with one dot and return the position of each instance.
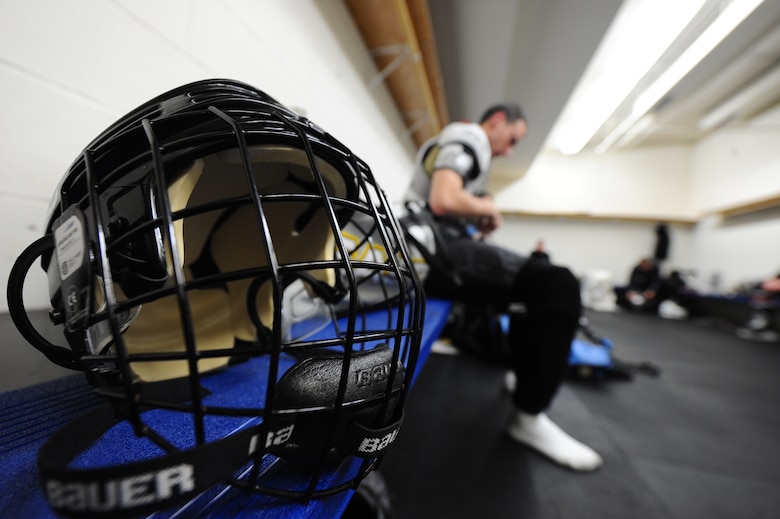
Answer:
(512, 110)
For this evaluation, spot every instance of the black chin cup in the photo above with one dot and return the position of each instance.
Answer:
(364, 425)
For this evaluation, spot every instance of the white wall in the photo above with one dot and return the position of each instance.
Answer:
(648, 182)
(737, 250)
(68, 69)
(733, 166)
(737, 165)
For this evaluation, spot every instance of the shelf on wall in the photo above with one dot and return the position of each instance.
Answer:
(754, 206)
(605, 217)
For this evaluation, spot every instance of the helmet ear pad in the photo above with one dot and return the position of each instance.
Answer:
(234, 240)
(158, 327)
(296, 231)
(238, 244)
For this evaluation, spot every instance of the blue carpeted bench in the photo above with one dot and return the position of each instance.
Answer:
(30, 415)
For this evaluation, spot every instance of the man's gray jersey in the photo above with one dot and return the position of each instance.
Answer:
(462, 147)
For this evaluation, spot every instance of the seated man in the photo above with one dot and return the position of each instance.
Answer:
(451, 169)
(643, 289)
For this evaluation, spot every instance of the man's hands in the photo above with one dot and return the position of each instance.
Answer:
(488, 224)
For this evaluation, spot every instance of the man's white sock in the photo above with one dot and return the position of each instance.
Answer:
(543, 435)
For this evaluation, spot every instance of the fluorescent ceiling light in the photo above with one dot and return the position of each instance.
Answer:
(728, 19)
(630, 134)
(734, 14)
(753, 97)
(624, 126)
(642, 31)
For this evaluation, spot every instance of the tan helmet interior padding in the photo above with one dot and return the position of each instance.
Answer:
(220, 315)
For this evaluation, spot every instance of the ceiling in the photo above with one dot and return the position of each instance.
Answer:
(536, 51)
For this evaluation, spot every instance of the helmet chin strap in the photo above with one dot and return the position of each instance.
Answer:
(364, 428)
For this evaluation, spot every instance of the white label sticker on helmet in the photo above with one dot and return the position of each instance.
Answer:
(69, 241)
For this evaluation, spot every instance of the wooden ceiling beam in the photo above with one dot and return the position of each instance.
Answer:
(399, 35)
